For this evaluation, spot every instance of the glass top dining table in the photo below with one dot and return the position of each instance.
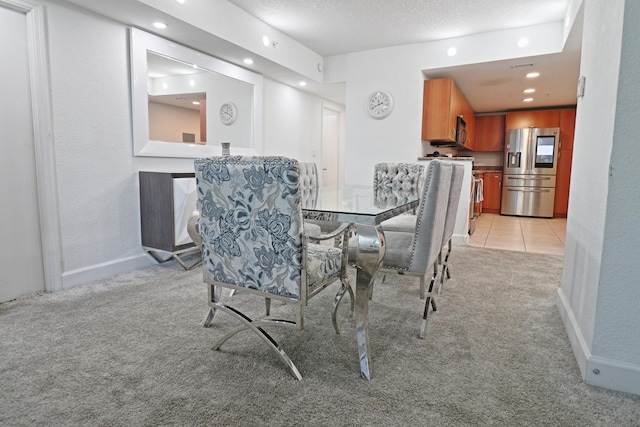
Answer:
(365, 207)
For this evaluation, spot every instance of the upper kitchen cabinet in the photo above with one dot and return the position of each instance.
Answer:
(442, 103)
(490, 133)
(533, 118)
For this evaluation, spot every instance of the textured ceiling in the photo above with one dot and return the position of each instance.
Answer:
(332, 27)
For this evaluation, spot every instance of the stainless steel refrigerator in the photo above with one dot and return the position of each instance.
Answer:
(529, 173)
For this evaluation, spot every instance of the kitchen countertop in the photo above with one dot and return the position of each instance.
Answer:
(490, 169)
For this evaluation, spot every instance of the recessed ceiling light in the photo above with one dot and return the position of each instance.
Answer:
(452, 51)
(532, 75)
(181, 1)
(164, 86)
(523, 42)
(265, 40)
(195, 102)
(160, 25)
(527, 100)
(192, 83)
(248, 61)
(302, 83)
(529, 90)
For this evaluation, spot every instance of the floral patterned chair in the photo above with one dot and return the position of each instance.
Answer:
(252, 240)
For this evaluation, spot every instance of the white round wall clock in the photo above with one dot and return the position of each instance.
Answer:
(228, 113)
(380, 104)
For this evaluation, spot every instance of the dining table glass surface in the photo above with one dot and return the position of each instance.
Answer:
(359, 204)
(365, 207)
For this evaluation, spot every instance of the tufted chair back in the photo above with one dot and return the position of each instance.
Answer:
(431, 216)
(398, 176)
(309, 183)
(397, 182)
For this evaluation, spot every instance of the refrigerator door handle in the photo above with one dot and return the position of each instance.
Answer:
(529, 190)
(539, 178)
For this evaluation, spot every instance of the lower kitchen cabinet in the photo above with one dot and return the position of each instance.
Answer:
(492, 192)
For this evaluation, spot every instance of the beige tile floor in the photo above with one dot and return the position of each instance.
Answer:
(539, 235)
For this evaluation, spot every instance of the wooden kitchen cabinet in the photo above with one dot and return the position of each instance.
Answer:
(567, 128)
(533, 118)
(563, 180)
(565, 157)
(490, 133)
(492, 192)
(442, 103)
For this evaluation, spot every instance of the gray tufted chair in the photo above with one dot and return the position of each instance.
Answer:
(252, 240)
(407, 223)
(450, 222)
(413, 252)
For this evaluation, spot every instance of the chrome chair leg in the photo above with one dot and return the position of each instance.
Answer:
(209, 318)
(214, 297)
(430, 301)
(346, 287)
(445, 268)
(256, 326)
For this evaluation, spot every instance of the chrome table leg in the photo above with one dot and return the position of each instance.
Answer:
(371, 247)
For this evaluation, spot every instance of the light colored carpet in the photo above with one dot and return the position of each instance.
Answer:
(131, 351)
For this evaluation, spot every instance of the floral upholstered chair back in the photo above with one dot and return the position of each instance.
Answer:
(395, 183)
(251, 223)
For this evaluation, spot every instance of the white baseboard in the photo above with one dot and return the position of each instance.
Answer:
(460, 240)
(613, 374)
(578, 344)
(597, 371)
(89, 274)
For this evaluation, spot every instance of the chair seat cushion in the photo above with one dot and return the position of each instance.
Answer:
(325, 226)
(323, 262)
(403, 223)
(398, 251)
(312, 230)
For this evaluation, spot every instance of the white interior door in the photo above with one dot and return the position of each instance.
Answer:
(330, 166)
(21, 265)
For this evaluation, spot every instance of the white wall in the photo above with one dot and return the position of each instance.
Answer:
(599, 296)
(96, 170)
(399, 70)
(21, 264)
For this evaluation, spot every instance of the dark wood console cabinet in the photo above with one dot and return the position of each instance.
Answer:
(167, 200)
